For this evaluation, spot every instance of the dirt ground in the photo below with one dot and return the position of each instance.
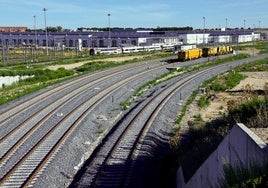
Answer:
(218, 106)
(74, 65)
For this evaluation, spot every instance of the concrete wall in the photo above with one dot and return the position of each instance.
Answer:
(240, 146)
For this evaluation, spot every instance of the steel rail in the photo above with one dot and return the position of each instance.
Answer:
(115, 87)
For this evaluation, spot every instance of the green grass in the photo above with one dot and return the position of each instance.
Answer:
(259, 45)
(255, 175)
(184, 108)
(252, 113)
(203, 101)
(9, 93)
(259, 65)
(224, 81)
(44, 77)
(41, 79)
(232, 58)
(205, 136)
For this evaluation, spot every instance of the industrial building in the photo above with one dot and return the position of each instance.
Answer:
(218, 37)
(124, 37)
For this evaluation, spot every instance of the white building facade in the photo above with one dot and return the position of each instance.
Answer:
(219, 37)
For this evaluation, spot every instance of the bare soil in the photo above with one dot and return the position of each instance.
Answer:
(251, 51)
(218, 106)
(74, 65)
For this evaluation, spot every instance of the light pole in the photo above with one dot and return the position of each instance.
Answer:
(109, 32)
(35, 36)
(226, 20)
(204, 25)
(244, 30)
(44, 9)
(253, 38)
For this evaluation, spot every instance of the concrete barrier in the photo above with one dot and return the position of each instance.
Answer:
(240, 146)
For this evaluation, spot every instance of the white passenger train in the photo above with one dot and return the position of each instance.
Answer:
(131, 49)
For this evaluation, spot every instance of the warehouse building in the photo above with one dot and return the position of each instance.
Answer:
(123, 37)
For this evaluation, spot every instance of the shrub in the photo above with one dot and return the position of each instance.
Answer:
(233, 79)
(252, 113)
(255, 175)
(203, 101)
(218, 87)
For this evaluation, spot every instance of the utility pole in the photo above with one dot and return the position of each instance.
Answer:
(244, 30)
(35, 36)
(44, 9)
(204, 27)
(109, 32)
(226, 20)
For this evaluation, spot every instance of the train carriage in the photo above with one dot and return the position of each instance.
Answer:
(209, 51)
(184, 55)
(224, 50)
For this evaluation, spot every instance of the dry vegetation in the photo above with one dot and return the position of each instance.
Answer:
(113, 59)
(204, 127)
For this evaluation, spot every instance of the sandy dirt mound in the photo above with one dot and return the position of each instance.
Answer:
(256, 80)
(74, 65)
(218, 106)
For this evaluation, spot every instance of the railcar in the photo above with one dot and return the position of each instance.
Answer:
(184, 55)
(229, 49)
(112, 50)
(224, 50)
(130, 49)
(179, 47)
(209, 51)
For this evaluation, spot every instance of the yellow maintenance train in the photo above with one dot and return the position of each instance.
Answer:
(184, 55)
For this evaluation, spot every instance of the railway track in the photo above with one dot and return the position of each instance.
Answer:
(30, 145)
(43, 146)
(23, 106)
(20, 133)
(111, 163)
(19, 107)
(13, 142)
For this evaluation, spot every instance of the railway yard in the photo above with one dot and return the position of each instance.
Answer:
(76, 134)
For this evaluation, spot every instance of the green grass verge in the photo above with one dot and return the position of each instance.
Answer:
(255, 175)
(204, 137)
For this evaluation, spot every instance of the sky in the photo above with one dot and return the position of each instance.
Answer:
(72, 14)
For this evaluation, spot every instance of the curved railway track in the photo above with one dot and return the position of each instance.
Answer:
(110, 165)
(19, 107)
(29, 152)
(28, 146)
(60, 100)
(12, 143)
